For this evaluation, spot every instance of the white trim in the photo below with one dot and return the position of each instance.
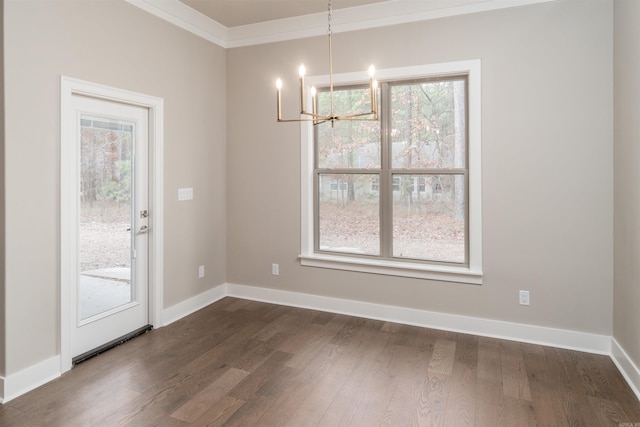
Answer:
(472, 274)
(68, 219)
(561, 338)
(156, 203)
(343, 20)
(30, 378)
(626, 366)
(183, 16)
(358, 18)
(193, 304)
(391, 268)
(40, 373)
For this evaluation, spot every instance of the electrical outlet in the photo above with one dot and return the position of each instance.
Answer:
(524, 298)
(201, 271)
(275, 269)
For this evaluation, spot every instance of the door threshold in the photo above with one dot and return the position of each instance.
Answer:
(108, 346)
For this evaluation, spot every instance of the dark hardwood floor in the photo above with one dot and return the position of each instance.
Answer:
(243, 363)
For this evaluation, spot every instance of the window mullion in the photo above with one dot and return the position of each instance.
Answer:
(316, 179)
(386, 193)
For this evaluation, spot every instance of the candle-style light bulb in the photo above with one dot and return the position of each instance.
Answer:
(279, 99)
(302, 70)
(372, 70)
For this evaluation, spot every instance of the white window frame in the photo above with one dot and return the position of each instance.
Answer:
(463, 274)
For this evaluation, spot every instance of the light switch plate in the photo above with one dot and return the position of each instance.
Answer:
(525, 298)
(185, 194)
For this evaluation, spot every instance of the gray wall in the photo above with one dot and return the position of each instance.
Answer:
(116, 44)
(547, 162)
(626, 319)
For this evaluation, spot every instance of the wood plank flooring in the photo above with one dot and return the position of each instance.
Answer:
(244, 363)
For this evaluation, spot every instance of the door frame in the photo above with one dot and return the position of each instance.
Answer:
(69, 171)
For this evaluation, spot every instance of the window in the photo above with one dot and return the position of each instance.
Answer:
(404, 190)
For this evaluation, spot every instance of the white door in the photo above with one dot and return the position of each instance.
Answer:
(109, 293)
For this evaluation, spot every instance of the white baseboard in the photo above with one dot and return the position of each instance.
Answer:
(34, 376)
(193, 304)
(30, 378)
(572, 340)
(625, 365)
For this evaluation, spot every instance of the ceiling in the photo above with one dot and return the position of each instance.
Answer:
(234, 13)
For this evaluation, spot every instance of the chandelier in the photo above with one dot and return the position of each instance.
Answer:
(332, 117)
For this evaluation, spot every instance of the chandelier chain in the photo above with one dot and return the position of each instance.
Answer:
(329, 32)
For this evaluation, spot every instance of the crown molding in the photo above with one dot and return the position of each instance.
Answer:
(183, 16)
(343, 20)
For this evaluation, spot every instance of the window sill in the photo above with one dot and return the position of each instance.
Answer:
(391, 268)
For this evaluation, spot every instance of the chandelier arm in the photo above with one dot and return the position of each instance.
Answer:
(297, 120)
(347, 117)
(316, 118)
(355, 119)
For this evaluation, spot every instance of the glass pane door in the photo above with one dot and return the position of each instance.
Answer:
(107, 226)
(105, 237)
